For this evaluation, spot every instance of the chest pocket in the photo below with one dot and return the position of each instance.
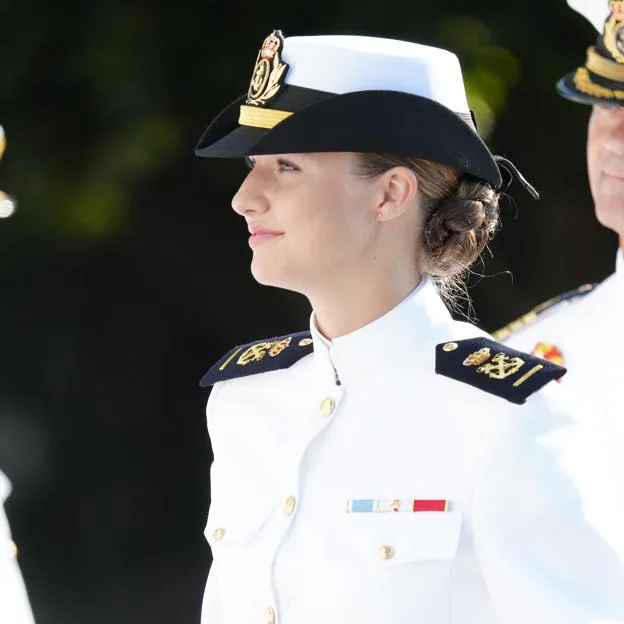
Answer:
(388, 540)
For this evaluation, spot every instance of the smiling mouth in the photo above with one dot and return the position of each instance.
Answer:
(619, 175)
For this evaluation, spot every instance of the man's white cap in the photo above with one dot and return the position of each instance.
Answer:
(596, 11)
(600, 81)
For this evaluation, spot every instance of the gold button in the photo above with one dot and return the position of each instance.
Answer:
(289, 506)
(219, 534)
(269, 616)
(450, 346)
(304, 342)
(386, 552)
(327, 406)
(12, 548)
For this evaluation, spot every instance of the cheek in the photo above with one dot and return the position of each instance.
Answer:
(595, 153)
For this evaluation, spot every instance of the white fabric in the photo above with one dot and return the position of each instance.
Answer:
(596, 11)
(529, 535)
(589, 332)
(365, 63)
(14, 605)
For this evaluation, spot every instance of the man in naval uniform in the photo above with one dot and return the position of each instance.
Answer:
(584, 329)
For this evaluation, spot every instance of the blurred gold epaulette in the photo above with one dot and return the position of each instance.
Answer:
(526, 319)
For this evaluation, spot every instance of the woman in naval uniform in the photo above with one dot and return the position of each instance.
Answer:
(390, 464)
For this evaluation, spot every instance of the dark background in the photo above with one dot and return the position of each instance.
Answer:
(124, 274)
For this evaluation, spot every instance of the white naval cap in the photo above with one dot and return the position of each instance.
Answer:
(347, 63)
(350, 93)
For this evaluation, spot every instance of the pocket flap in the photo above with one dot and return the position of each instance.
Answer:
(391, 539)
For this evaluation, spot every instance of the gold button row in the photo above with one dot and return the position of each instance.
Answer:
(219, 534)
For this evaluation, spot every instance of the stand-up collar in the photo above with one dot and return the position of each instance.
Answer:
(619, 278)
(408, 323)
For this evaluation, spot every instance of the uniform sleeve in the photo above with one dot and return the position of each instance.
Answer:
(14, 605)
(548, 519)
(211, 607)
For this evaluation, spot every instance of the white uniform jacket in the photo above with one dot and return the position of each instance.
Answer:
(498, 521)
(586, 333)
(14, 605)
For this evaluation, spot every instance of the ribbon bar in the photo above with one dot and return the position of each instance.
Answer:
(394, 505)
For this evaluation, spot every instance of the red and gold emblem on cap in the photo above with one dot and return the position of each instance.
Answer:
(549, 352)
(269, 72)
(614, 30)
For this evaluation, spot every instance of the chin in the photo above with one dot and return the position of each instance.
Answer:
(611, 214)
(270, 273)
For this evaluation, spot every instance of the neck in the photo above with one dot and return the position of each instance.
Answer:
(350, 304)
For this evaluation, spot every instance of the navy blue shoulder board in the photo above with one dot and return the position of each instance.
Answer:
(495, 368)
(260, 356)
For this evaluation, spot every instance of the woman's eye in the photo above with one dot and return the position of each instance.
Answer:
(283, 165)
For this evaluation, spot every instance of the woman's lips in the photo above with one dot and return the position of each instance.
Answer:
(259, 236)
(618, 174)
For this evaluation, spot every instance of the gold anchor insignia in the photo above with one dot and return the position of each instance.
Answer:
(614, 30)
(478, 357)
(269, 71)
(501, 366)
(257, 351)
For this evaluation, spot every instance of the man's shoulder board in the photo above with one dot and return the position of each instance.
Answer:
(260, 356)
(495, 368)
(504, 332)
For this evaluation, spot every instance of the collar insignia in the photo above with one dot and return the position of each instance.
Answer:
(495, 368)
(269, 72)
(260, 356)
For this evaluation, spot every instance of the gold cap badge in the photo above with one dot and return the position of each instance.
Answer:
(269, 72)
(614, 30)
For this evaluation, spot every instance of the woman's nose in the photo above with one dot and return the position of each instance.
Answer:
(249, 199)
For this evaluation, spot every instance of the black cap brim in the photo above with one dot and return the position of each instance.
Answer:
(567, 88)
(391, 122)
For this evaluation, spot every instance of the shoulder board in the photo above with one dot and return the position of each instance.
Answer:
(260, 356)
(504, 332)
(495, 368)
